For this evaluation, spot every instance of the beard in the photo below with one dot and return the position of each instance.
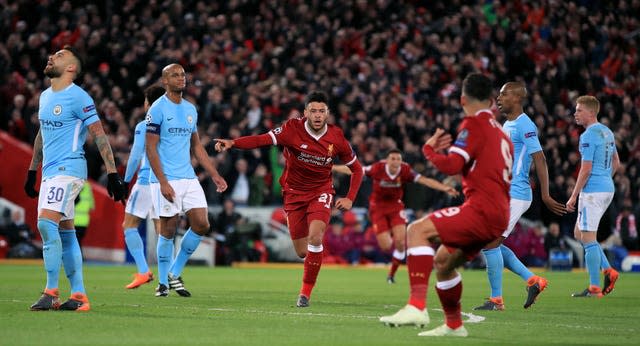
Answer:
(52, 72)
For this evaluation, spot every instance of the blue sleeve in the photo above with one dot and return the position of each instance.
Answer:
(154, 118)
(530, 138)
(86, 108)
(137, 152)
(587, 147)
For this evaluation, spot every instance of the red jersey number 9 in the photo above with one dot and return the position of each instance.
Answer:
(508, 160)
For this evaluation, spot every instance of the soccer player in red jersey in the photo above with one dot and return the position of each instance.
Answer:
(310, 146)
(482, 153)
(386, 209)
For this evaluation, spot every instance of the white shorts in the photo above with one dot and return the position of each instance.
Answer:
(139, 202)
(189, 195)
(59, 194)
(591, 207)
(517, 207)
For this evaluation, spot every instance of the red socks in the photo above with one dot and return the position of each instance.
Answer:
(395, 263)
(312, 264)
(419, 268)
(450, 299)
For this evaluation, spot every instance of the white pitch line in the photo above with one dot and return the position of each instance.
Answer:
(471, 318)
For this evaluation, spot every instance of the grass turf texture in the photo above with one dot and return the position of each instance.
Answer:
(256, 306)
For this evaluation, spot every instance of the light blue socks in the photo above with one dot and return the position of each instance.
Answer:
(495, 266)
(189, 244)
(72, 260)
(136, 248)
(593, 258)
(165, 255)
(512, 263)
(51, 250)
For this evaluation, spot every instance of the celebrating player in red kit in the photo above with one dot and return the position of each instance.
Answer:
(483, 154)
(310, 146)
(386, 208)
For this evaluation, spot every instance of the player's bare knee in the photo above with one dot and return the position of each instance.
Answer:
(315, 239)
(201, 228)
(399, 245)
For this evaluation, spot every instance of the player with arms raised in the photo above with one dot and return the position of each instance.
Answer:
(386, 208)
(483, 154)
(310, 146)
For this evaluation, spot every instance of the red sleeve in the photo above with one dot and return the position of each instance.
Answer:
(447, 164)
(252, 142)
(407, 174)
(356, 180)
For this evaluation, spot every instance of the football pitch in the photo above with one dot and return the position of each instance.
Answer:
(254, 305)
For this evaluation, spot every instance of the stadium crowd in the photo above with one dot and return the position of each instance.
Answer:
(393, 70)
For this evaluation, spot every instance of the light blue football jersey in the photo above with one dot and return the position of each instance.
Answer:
(138, 157)
(64, 116)
(598, 145)
(524, 135)
(174, 123)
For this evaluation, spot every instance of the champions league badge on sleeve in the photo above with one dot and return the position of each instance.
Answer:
(461, 140)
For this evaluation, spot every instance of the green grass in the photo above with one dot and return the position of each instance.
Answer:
(255, 306)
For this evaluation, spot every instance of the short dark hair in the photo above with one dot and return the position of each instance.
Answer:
(477, 86)
(316, 96)
(153, 92)
(394, 151)
(77, 57)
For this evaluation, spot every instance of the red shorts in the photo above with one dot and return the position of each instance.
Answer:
(468, 228)
(301, 209)
(383, 220)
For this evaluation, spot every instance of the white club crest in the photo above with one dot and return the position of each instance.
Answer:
(189, 119)
(57, 110)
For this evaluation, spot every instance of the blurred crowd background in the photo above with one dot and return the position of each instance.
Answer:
(393, 70)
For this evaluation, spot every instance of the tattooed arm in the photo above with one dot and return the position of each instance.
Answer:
(36, 159)
(102, 141)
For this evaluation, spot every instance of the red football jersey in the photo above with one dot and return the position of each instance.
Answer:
(488, 156)
(388, 189)
(309, 157)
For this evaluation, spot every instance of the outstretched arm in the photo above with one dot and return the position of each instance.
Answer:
(203, 158)
(246, 142)
(543, 177)
(436, 185)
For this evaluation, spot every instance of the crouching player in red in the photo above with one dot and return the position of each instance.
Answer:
(386, 208)
(310, 146)
(483, 154)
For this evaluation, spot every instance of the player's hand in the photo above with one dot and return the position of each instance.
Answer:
(553, 205)
(30, 184)
(167, 191)
(117, 188)
(221, 184)
(344, 204)
(571, 204)
(451, 191)
(439, 141)
(223, 144)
